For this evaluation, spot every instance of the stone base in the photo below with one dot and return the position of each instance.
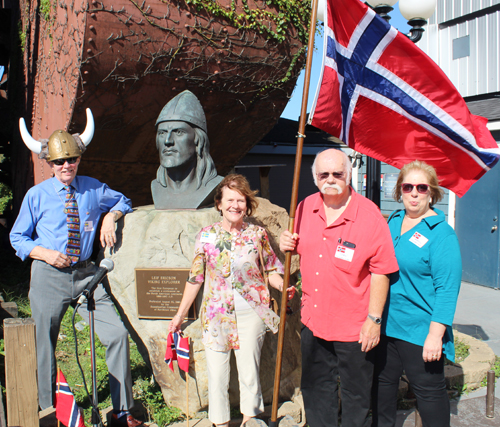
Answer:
(473, 369)
(149, 238)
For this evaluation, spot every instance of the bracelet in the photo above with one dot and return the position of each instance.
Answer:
(182, 318)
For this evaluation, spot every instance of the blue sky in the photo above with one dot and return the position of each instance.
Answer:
(292, 110)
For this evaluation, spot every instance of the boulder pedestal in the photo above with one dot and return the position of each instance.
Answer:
(149, 238)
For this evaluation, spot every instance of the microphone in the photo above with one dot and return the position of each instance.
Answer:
(105, 267)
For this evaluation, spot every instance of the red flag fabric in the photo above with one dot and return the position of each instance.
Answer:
(177, 349)
(67, 411)
(385, 98)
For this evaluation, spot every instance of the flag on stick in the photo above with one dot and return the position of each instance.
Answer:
(384, 97)
(177, 349)
(67, 411)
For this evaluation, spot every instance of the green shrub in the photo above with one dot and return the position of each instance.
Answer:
(5, 197)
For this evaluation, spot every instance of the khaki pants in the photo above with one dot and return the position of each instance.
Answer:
(251, 333)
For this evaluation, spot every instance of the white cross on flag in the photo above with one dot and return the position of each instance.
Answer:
(385, 98)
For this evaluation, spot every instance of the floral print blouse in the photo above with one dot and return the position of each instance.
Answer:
(224, 261)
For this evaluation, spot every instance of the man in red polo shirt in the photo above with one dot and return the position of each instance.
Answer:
(346, 255)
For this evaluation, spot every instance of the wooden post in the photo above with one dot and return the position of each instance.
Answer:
(8, 309)
(20, 373)
(490, 394)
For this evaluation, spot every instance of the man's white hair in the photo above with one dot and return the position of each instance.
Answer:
(346, 162)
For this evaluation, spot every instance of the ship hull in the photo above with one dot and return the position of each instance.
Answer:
(125, 60)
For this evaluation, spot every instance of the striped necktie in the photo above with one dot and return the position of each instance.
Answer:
(73, 221)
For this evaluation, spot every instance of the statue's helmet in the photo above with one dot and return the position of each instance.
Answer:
(60, 145)
(185, 107)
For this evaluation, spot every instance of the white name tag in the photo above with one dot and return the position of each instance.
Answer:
(344, 253)
(88, 226)
(418, 239)
(208, 237)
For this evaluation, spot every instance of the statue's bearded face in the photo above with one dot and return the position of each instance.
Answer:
(176, 143)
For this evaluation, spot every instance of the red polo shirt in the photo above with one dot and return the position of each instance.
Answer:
(336, 276)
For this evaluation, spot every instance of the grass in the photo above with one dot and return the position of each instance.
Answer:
(496, 369)
(14, 286)
(461, 350)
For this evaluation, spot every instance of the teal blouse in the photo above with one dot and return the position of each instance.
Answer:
(426, 286)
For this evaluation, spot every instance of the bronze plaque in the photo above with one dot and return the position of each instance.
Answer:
(159, 292)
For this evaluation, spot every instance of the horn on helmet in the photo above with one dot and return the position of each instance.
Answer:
(87, 135)
(30, 142)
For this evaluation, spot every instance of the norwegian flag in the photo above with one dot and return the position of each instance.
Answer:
(385, 98)
(177, 349)
(67, 411)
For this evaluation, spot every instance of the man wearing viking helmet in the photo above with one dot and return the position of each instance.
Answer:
(56, 227)
(187, 177)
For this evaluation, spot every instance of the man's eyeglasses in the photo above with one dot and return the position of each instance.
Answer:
(408, 188)
(60, 162)
(324, 175)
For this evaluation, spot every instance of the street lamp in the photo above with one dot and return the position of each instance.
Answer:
(383, 7)
(417, 12)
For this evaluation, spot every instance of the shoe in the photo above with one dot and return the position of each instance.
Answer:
(125, 421)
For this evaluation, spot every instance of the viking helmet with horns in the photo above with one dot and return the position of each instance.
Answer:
(60, 145)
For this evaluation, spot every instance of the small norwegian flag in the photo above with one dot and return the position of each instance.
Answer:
(177, 349)
(67, 411)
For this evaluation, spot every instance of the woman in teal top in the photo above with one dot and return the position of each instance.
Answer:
(416, 328)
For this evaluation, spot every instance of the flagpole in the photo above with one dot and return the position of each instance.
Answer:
(187, 392)
(293, 207)
(58, 388)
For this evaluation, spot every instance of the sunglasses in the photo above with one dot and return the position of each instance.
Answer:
(408, 188)
(60, 162)
(324, 175)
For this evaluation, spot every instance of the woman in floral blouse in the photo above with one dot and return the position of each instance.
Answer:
(235, 309)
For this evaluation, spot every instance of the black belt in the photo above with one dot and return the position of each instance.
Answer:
(81, 264)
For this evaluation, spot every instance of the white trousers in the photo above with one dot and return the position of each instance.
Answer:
(251, 333)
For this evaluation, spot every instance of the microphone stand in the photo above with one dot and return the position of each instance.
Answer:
(89, 296)
(104, 268)
(96, 420)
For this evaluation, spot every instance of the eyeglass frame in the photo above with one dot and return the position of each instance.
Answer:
(70, 160)
(336, 175)
(418, 186)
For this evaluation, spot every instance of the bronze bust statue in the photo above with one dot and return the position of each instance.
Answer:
(186, 178)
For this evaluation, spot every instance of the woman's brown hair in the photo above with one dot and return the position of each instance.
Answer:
(240, 184)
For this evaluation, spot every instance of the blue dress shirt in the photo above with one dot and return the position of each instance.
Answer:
(42, 221)
(426, 286)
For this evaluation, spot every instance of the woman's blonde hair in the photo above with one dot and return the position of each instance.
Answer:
(436, 191)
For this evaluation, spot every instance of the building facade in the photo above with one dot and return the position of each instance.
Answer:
(463, 38)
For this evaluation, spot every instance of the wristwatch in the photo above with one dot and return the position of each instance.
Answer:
(377, 320)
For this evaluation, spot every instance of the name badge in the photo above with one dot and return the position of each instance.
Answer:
(88, 226)
(208, 237)
(418, 239)
(344, 253)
